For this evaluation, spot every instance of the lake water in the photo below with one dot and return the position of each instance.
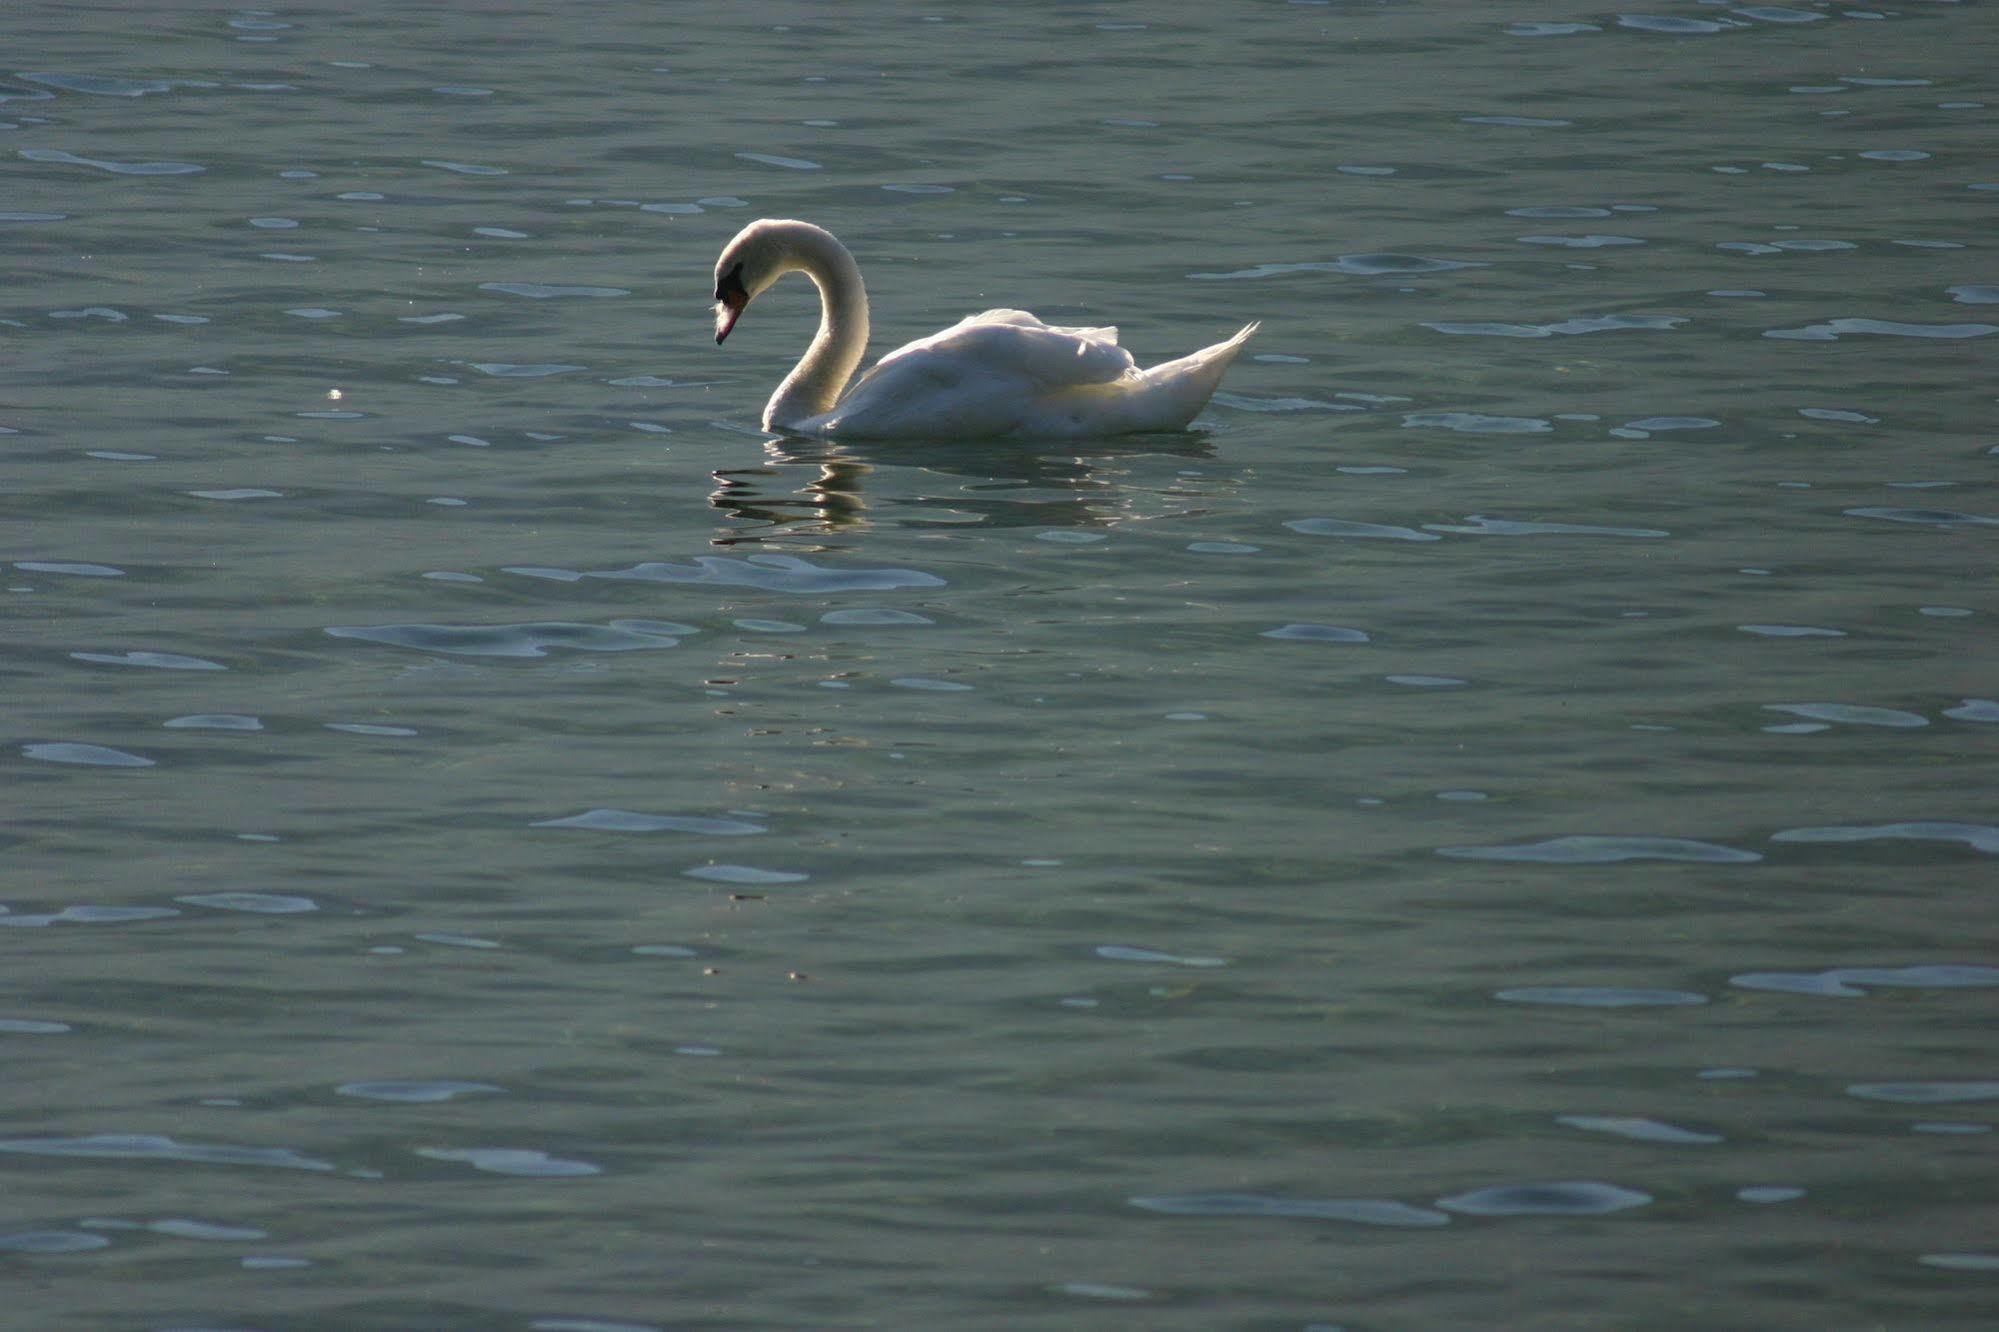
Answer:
(1494, 829)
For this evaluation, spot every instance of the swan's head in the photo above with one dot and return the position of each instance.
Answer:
(763, 252)
(757, 257)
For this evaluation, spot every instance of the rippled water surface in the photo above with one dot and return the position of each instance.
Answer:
(1494, 829)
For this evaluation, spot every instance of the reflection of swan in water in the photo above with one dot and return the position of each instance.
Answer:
(828, 500)
(1000, 373)
(819, 486)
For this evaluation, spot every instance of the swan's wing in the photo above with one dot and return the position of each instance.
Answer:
(1010, 345)
(984, 376)
(1022, 319)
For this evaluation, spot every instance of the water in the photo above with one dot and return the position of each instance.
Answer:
(1494, 830)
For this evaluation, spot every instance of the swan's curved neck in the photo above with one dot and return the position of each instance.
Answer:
(815, 383)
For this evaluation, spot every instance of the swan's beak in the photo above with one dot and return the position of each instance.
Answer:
(727, 312)
(730, 298)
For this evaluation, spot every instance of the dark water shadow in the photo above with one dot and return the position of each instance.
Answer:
(811, 486)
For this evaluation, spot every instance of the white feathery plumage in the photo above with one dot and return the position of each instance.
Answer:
(995, 374)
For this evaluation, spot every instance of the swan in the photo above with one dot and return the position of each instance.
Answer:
(1000, 373)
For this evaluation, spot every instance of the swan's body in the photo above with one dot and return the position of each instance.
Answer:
(999, 373)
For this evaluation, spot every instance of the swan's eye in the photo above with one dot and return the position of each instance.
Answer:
(729, 288)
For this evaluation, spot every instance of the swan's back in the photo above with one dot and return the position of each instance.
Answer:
(1014, 342)
(1004, 372)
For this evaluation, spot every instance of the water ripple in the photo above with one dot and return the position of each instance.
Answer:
(97, 755)
(1639, 1130)
(874, 616)
(1357, 265)
(774, 573)
(1479, 525)
(1588, 850)
(185, 1227)
(1778, 14)
(263, 904)
(1933, 517)
(164, 661)
(1564, 328)
(1653, 425)
(1086, 1290)
(1340, 527)
(414, 1093)
(51, 1241)
(1591, 241)
(1851, 714)
(536, 370)
(57, 155)
(1666, 24)
(744, 874)
(1599, 996)
(1476, 423)
(1978, 836)
(102, 85)
(542, 291)
(625, 820)
(1125, 953)
(1558, 211)
(74, 569)
(515, 640)
(1316, 633)
(1243, 402)
(85, 915)
(772, 159)
(1365, 1211)
(1832, 330)
(1568, 1197)
(214, 721)
(1925, 1093)
(1851, 982)
(1961, 1262)
(512, 1161)
(1790, 631)
(154, 1147)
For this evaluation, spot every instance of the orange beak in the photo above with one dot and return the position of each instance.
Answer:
(727, 312)
(730, 298)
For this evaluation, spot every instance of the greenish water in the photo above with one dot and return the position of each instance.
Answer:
(1493, 830)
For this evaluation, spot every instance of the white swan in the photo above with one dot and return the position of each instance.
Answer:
(1003, 372)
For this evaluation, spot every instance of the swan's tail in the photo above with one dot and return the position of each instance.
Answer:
(1178, 390)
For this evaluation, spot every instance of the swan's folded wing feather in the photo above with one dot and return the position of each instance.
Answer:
(1012, 344)
(1022, 319)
